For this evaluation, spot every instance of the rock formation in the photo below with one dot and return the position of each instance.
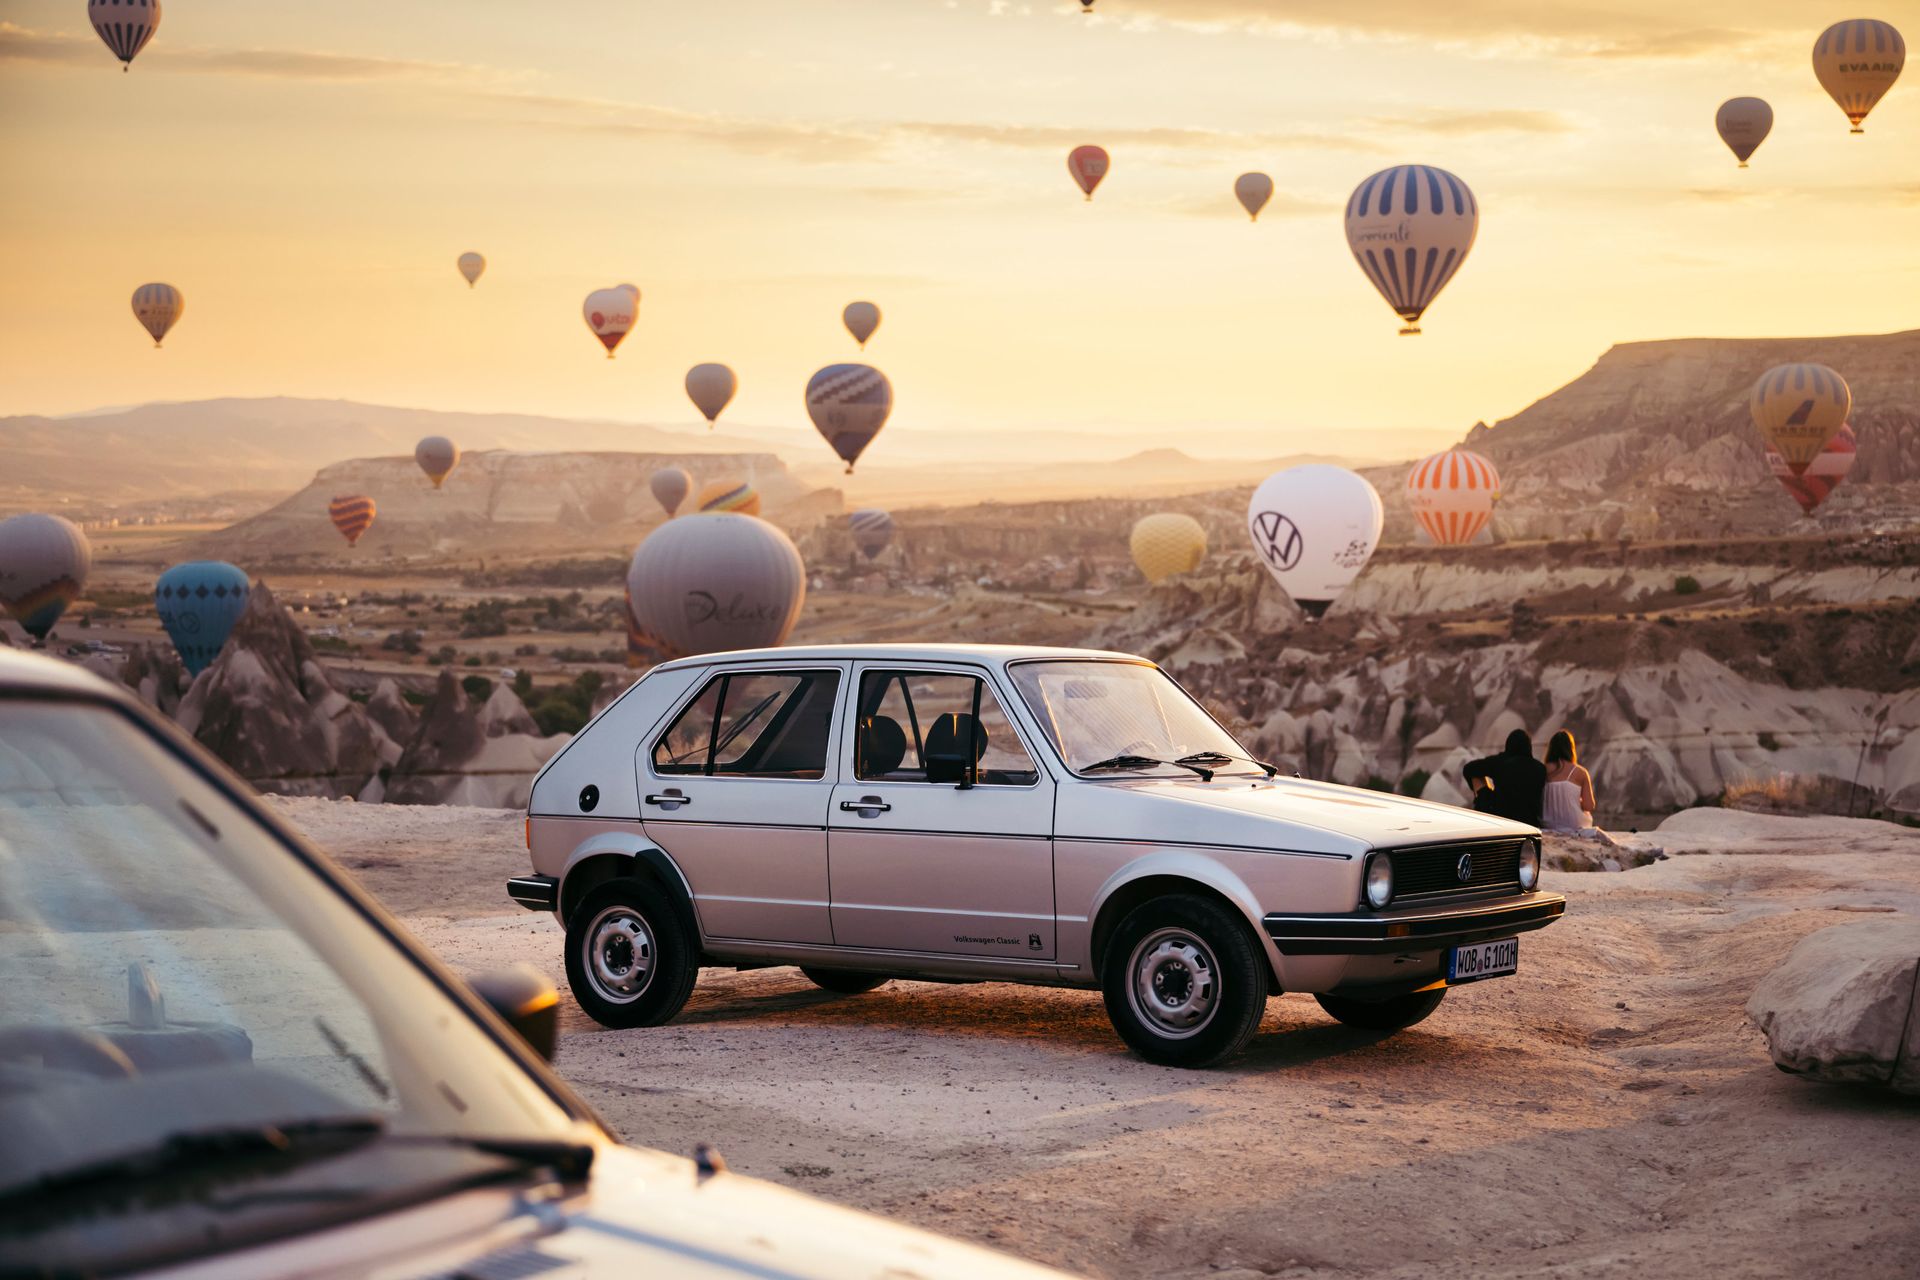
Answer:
(470, 753)
(1845, 1006)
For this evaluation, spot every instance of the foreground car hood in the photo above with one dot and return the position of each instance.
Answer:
(1281, 813)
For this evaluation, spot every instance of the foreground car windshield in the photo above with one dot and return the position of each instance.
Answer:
(180, 987)
(1095, 712)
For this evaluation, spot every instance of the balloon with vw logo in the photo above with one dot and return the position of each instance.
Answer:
(1314, 527)
(714, 581)
(1410, 228)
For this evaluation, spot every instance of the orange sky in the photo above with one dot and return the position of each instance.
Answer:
(307, 174)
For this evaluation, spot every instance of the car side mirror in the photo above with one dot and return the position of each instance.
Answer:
(526, 1000)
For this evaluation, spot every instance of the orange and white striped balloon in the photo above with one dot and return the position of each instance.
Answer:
(1452, 495)
(352, 515)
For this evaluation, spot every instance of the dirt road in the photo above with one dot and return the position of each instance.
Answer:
(1609, 1112)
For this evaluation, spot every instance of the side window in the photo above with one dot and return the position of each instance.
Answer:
(753, 724)
(920, 726)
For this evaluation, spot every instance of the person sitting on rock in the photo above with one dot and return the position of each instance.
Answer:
(1509, 784)
(1566, 804)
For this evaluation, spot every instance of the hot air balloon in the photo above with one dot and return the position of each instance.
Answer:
(437, 456)
(872, 531)
(1823, 475)
(1315, 528)
(1253, 191)
(670, 487)
(711, 387)
(198, 604)
(707, 583)
(1410, 228)
(737, 496)
(124, 25)
(610, 313)
(1167, 544)
(1799, 408)
(1744, 124)
(1086, 8)
(1452, 495)
(1088, 165)
(44, 562)
(351, 515)
(1856, 62)
(849, 403)
(157, 307)
(471, 265)
(861, 319)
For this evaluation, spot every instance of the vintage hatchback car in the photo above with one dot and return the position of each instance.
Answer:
(220, 1059)
(987, 813)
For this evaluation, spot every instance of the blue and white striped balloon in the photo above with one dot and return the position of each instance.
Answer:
(849, 403)
(124, 26)
(872, 531)
(1410, 228)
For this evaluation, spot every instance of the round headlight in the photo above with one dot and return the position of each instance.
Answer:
(1379, 881)
(1529, 865)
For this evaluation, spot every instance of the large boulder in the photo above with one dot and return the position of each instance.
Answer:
(1842, 1006)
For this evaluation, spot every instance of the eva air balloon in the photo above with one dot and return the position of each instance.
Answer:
(198, 604)
(1744, 124)
(1410, 227)
(1253, 190)
(1314, 527)
(44, 563)
(437, 456)
(1452, 495)
(124, 26)
(710, 582)
(872, 531)
(711, 388)
(471, 265)
(861, 319)
(849, 403)
(610, 314)
(1799, 408)
(1856, 62)
(157, 307)
(1088, 165)
(670, 487)
(1167, 544)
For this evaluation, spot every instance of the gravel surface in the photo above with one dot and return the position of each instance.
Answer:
(1607, 1112)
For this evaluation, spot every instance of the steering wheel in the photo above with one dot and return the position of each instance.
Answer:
(86, 1051)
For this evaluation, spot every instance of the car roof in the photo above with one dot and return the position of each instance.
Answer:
(996, 654)
(24, 672)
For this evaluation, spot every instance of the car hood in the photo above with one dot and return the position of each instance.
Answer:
(1279, 813)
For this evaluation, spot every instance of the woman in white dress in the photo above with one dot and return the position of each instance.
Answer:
(1567, 803)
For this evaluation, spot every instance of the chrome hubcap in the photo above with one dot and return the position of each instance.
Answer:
(619, 954)
(1174, 985)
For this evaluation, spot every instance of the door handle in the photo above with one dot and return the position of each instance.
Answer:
(671, 797)
(866, 806)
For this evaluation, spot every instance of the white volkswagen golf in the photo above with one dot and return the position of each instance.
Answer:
(988, 813)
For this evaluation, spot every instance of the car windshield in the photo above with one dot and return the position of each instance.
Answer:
(1127, 716)
(179, 983)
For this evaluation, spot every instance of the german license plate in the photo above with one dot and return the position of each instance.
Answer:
(1483, 960)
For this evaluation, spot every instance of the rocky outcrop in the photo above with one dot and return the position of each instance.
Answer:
(474, 753)
(1845, 1006)
(392, 712)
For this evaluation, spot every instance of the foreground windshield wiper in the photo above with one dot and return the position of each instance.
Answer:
(1221, 757)
(1142, 762)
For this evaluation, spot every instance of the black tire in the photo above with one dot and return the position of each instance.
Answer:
(629, 925)
(1200, 962)
(1396, 1014)
(845, 981)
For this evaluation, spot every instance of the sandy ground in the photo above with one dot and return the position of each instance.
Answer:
(1608, 1112)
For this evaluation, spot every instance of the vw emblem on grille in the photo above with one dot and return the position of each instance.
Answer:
(1464, 867)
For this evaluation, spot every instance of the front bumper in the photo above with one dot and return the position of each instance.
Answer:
(535, 893)
(1413, 928)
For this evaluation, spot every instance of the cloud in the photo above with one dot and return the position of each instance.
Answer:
(1282, 205)
(20, 44)
(1169, 138)
(1467, 123)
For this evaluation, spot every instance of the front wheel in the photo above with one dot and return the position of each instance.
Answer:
(844, 981)
(1184, 981)
(1396, 1014)
(629, 959)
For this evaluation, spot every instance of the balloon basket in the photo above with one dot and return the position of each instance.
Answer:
(1411, 331)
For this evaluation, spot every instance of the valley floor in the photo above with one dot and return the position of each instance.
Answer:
(1609, 1112)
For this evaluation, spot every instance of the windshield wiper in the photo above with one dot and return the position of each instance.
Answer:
(1221, 757)
(1142, 762)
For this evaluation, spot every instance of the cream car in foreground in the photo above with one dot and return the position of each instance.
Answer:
(220, 1060)
(985, 813)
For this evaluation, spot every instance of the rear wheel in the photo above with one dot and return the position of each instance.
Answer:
(844, 981)
(1184, 981)
(1395, 1014)
(629, 959)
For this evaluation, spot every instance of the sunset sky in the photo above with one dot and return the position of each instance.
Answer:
(307, 174)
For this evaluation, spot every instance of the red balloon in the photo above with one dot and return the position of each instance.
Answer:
(1088, 165)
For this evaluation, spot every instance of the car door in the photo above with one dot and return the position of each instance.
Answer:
(928, 849)
(736, 789)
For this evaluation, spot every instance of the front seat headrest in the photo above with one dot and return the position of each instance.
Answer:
(947, 739)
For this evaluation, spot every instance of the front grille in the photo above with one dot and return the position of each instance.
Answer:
(1430, 871)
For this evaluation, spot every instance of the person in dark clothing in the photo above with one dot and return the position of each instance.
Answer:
(1509, 784)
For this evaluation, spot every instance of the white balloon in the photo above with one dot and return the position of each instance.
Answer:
(1315, 528)
(711, 388)
(709, 582)
(610, 313)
